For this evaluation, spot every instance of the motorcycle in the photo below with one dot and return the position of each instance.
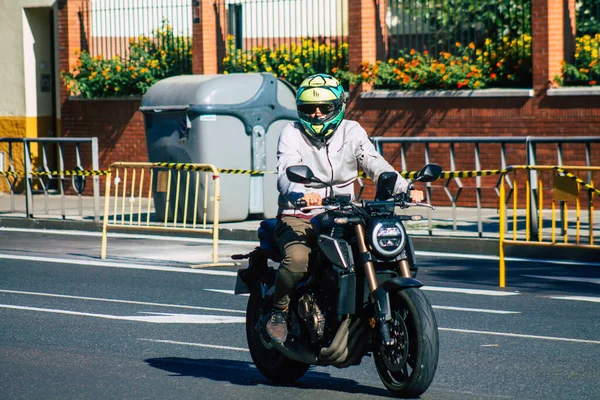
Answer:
(360, 297)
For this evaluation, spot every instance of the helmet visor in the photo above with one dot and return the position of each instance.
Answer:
(319, 112)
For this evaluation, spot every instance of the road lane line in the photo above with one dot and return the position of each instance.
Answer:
(480, 310)
(157, 319)
(217, 319)
(144, 303)
(519, 335)
(576, 298)
(566, 278)
(212, 346)
(221, 241)
(109, 264)
(469, 291)
(225, 291)
(161, 238)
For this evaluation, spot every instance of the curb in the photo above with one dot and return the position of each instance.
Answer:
(440, 244)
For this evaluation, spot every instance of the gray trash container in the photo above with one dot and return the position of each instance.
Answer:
(231, 121)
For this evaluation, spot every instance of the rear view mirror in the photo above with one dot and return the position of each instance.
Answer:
(385, 185)
(300, 174)
(429, 173)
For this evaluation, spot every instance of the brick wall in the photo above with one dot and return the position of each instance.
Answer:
(119, 124)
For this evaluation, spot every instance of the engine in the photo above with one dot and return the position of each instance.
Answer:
(310, 313)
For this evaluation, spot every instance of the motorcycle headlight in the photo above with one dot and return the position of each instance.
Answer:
(387, 237)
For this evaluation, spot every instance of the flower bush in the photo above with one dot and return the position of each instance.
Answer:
(290, 62)
(150, 60)
(507, 63)
(586, 69)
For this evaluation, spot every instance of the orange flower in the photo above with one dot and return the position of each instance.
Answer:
(592, 82)
(413, 52)
(492, 76)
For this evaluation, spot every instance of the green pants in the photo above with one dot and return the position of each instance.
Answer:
(295, 238)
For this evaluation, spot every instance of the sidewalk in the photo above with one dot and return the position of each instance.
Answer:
(446, 236)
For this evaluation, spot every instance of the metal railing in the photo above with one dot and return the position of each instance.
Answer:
(43, 167)
(523, 150)
(567, 188)
(186, 197)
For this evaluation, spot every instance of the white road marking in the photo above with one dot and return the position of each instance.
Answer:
(496, 258)
(144, 303)
(518, 335)
(469, 291)
(577, 298)
(481, 310)
(157, 319)
(212, 346)
(225, 291)
(566, 278)
(167, 318)
(209, 241)
(430, 288)
(110, 264)
(127, 236)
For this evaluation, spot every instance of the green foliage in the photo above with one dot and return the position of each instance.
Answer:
(450, 20)
(586, 69)
(495, 65)
(290, 62)
(150, 60)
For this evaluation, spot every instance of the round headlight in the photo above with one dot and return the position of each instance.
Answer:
(387, 237)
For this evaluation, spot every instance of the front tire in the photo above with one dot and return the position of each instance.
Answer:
(407, 368)
(270, 363)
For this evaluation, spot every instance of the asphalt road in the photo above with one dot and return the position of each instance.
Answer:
(143, 325)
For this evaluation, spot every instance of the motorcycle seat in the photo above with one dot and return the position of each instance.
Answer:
(266, 236)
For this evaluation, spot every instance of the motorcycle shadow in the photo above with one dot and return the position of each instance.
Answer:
(246, 374)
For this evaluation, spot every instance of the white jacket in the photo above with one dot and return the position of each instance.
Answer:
(334, 161)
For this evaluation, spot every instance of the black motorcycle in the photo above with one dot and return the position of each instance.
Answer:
(360, 297)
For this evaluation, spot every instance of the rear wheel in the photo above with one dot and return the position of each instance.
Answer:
(408, 367)
(271, 363)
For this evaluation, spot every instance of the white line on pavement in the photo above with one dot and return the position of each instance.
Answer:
(144, 303)
(126, 236)
(430, 288)
(481, 310)
(469, 291)
(166, 318)
(225, 291)
(518, 335)
(577, 298)
(212, 346)
(566, 278)
(162, 318)
(209, 241)
(116, 265)
(496, 258)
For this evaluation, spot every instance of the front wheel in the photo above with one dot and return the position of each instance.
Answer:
(408, 367)
(271, 363)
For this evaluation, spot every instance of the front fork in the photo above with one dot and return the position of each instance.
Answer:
(379, 297)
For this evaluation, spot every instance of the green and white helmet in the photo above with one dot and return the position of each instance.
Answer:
(324, 92)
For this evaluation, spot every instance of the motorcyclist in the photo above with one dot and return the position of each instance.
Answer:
(333, 148)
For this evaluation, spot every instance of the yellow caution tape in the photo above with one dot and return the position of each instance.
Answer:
(362, 174)
(74, 172)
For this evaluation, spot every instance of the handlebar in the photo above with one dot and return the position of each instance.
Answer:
(331, 204)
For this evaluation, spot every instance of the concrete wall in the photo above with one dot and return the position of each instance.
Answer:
(29, 79)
